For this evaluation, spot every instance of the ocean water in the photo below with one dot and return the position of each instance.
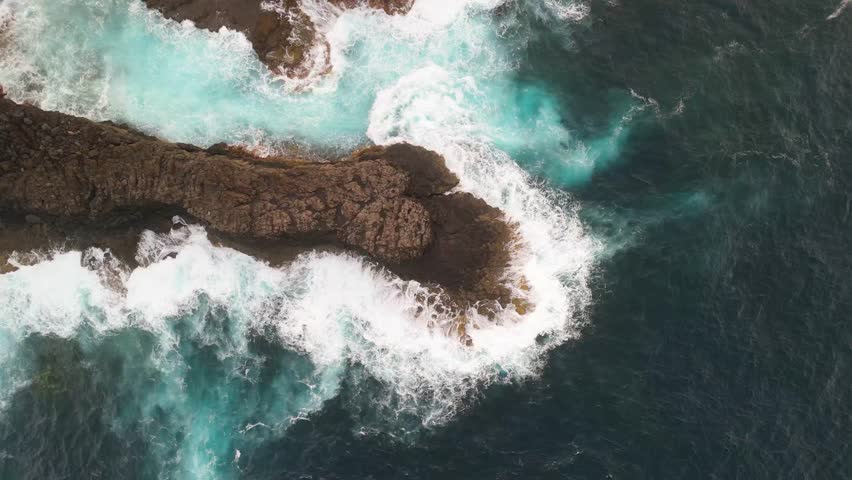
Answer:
(679, 175)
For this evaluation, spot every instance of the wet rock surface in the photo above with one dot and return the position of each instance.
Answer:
(388, 202)
(469, 253)
(280, 31)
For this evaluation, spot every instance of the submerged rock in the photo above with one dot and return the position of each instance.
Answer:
(388, 202)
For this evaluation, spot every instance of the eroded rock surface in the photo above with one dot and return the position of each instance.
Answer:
(280, 31)
(389, 202)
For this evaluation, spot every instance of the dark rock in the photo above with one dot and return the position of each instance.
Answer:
(178, 223)
(187, 147)
(233, 193)
(33, 219)
(388, 202)
(368, 229)
(470, 251)
(219, 149)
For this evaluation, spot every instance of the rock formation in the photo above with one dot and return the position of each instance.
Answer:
(388, 202)
(279, 30)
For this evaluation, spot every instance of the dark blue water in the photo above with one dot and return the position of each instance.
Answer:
(717, 344)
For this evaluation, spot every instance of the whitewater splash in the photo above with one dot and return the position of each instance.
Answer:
(334, 310)
(439, 77)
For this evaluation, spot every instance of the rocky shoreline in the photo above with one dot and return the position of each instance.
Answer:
(390, 203)
(280, 31)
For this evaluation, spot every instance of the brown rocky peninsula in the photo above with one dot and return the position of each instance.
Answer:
(390, 203)
(279, 30)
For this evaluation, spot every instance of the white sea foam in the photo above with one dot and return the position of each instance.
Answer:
(56, 296)
(839, 10)
(435, 77)
(333, 308)
(440, 13)
(570, 11)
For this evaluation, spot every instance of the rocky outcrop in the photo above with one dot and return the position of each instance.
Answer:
(65, 166)
(470, 250)
(281, 33)
(388, 202)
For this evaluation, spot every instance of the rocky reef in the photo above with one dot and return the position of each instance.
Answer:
(390, 203)
(280, 31)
